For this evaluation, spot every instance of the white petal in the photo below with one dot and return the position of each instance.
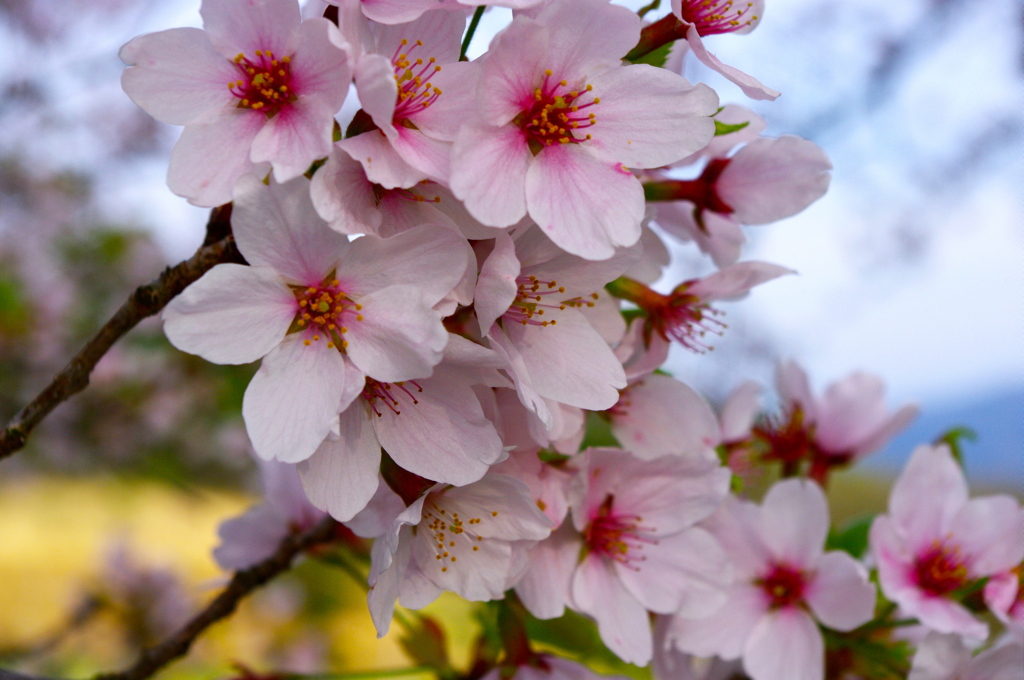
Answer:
(341, 477)
(232, 315)
(785, 645)
(840, 594)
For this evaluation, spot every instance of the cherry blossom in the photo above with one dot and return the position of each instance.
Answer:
(711, 17)
(320, 310)
(685, 315)
(258, 86)
(413, 89)
(634, 521)
(1004, 595)
(471, 540)
(528, 301)
(785, 584)
(849, 422)
(547, 667)
(559, 122)
(433, 427)
(765, 181)
(934, 541)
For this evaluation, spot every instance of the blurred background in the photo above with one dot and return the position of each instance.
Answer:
(911, 267)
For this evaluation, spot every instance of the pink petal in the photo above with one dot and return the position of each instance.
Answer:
(210, 157)
(555, 356)
(664, 416)
(587, 36)
(396, 11)
(649, 117)
(298, 135)
(850, 412)
(685, 573)
(496, 286)
(293, 400)
(621, 620)
(740, 410)
(514, 67)
(586, 206)
(249, 25)
(440, 33)
(544, 587)
(940, 657)
(444, 437)
(380, 161)
(794, 522)
(399, 338)
(176, 76)
(343, 196)
(431, 156)
(794, 389)
(929, 492)
(378, 91)
(445, 117)
(232, 315)
(488, 172)
(991, 531)
(725, 632)
(341, 477)
(771, 179)
(721, 237)
(276, 226)
(430, 258)
(840, 594)
(751, 86)
(319, 67)
(785, 645)
(736, 280)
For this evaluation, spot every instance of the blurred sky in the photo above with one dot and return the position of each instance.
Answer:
(911, 267)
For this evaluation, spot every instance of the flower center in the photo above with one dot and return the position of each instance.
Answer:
(941, 569)
(784, 586)
(718, 16)
(556, 113)
(412, 74)
(323, 312)
(265, 84)
(451, 536)
(389, 394)
(617, 536)
(677, 316)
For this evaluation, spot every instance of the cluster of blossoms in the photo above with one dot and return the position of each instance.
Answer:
(444, 296)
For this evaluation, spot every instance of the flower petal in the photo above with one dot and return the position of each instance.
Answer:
(840, 594)
(232, 315)
(210, 157)
(341, 477)
(785, 645)
(750, 85)
(794, 522)
(488, 172)
(621, 620)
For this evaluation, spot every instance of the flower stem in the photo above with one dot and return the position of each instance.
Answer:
(473, 23)
(661, 32)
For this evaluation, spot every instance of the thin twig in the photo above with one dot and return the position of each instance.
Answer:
(244, 582)
(146, 301)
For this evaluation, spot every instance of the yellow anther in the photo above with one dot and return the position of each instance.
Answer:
(547, 72)
(359, 317)
(306, 342)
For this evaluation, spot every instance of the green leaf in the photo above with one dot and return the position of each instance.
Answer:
(656, 57)
(954, 438)
(852, 538)
(599, 432)
(726, 128)
(425, 644)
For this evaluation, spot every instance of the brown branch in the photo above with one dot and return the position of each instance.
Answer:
(146, 301)
(244, 582)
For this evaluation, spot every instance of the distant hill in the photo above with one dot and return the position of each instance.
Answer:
(995, 459)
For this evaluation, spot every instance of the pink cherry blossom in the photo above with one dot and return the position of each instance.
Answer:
(765, 181)
(559, 122)
(849, 422)
(471, 540)
(946, 657)
(414, 90)
(711, 17)
(686, 315)
(934, 541)
(319, 310)
(433, 427)
(258, 86)
(785, 584)
(634, 521)
(528, 301)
